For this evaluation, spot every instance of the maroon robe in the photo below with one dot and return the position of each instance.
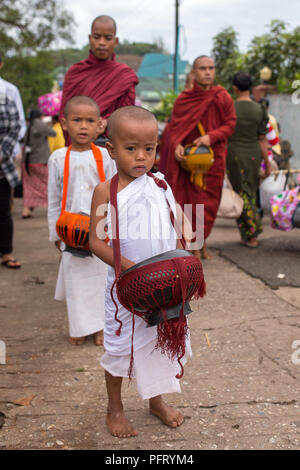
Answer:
(109, 83)
(215, 109)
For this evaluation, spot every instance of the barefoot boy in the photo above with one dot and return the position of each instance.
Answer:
(81, 276)
(132, 144)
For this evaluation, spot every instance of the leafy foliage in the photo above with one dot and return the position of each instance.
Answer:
(227, 57)
(164, 109)
(28, 25)
(277, 49)
(268, 50)
(27, 29)
(33, 76)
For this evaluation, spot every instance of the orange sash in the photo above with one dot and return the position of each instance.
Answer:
(73, 229)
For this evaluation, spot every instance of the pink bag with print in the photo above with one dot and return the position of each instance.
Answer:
(50, 103)
(283, 206)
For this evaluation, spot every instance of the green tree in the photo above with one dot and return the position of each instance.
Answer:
(292, 46)
(33, 75)
(228, 59)
(64, 58)
(278, 49)
(269, 50)
(164, 109)
(225, 46)
(27, 29)
(28, 25)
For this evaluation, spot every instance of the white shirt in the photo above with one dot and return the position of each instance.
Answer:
(83, 178)
(13, 93)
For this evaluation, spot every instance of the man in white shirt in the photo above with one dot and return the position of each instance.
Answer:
(9, 132)
(13, 93)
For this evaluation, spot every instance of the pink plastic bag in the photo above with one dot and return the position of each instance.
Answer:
(50, 103)
(283, 206)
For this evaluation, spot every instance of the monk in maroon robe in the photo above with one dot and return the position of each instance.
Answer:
(109, 83)
(214, 108)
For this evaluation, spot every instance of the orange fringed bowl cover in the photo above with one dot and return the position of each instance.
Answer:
(73, 229)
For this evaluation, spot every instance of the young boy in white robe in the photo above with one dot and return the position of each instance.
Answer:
(133, 134)
(82, 276)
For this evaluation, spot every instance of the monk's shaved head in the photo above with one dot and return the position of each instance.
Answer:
(77, 100)
(105, 19)
(128, 113)
(202, 57)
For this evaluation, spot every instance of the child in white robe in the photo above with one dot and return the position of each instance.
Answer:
(145, 231)
(81, 279)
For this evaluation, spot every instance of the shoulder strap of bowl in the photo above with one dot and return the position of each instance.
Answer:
(115, 223)
(162, 184)
(99, 162)
(201, 128)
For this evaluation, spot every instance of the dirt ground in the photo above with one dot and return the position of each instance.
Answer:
(240, 389)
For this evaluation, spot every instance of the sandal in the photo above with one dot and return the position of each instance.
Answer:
(11, 263)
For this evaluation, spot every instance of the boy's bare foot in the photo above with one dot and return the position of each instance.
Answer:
(76, 341)
(118, 425)
(168, 415)
(197, 253)
(205, 254)
(98, 338)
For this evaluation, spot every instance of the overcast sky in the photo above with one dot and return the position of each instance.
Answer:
(147, 20)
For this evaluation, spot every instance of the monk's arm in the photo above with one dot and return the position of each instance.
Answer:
(97, 236)
(128, 99)
(227, 127)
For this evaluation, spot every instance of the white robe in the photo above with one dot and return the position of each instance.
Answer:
(81, 281)
(145, 231)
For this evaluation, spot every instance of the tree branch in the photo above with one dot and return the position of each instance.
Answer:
(11, 23)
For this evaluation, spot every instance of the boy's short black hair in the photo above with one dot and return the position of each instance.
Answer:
(242, 81)
(80, 99)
